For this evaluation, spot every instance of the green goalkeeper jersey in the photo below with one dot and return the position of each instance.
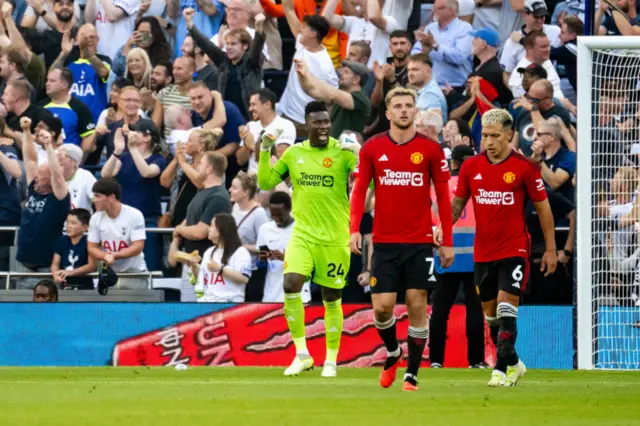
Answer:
(320, 178)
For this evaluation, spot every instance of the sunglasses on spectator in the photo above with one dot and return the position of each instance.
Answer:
(534, 100)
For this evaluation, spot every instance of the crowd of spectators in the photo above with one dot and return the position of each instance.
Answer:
(122, 115)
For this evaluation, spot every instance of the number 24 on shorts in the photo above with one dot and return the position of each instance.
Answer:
(335, 270)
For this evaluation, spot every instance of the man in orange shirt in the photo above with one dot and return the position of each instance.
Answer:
(335, 42)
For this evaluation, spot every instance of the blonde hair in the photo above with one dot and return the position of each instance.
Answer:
(209, 137)
(249, 183)
(497, 116)
(146, 76)
(400, 91)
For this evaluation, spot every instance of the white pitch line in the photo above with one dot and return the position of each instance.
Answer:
(293, 381)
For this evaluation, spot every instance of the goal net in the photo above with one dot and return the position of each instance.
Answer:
(608, 203)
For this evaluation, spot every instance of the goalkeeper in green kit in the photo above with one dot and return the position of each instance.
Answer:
(319, 247)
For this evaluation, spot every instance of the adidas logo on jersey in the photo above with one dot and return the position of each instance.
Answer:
(383, 158)
(478, 177)
(300, 161)
(333, 330)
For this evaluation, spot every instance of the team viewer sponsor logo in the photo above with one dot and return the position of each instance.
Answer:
(392, 178)
(307, 179)
(494, 198)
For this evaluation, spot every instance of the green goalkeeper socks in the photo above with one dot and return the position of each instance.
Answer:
(333, 321)
(294, 313)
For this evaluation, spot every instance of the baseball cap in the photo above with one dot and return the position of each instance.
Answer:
(487, 34)
(107, 277)
(51, 121)
(537, 7)
(359, 69)
(534, 69)
(145, 126)
(461, 152)
(72, 151)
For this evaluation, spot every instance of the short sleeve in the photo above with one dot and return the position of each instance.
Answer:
(347, 24)
(85, 120)
(392, 24)
(261, 240)
(60, 245)
(438, 165)
(138, 232)
(508, 58)
(234, 120)
(130, 7)
(534, 184)
(462, 189)
(241, 262)
(261, 219)
(94, 229)
(568, 163)
(213, 206)
(159, 161)
(361, 104)
(9, 152)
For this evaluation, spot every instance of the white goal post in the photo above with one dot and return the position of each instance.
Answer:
(608, 312)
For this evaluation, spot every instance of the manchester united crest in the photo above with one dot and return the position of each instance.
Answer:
(373, 281)
(417, 157)
(327, 162)
(509, 177)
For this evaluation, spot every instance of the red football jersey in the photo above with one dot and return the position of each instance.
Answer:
(402, 175)
(499, 193)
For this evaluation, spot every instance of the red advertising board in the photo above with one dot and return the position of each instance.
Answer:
(257, 335)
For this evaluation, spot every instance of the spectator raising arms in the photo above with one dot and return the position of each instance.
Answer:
(10, 173)
(240, 66)
(226, 267)
(114, 19)
(90, 72)
(309, 49)
(148, 36)
(45, 210)
(117, 234)
(138, 171)
(351, 107)
(208, 17)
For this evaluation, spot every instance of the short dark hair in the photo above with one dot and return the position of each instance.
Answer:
(400, 34)
(168, 66)
(108, 186)
(365, 47)
(281, 197)
(217, 161)
(65, 75)
(121, 83)
(530, 40)
(83, 215)
(421, 57)
(319, 24)
(315, 106)
(267, 95)
(50, 285)
(14, 56)
(23, 86)
(574, 25)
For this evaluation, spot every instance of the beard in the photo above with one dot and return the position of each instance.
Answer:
(64, 16)
(400, 55)
(402, 126)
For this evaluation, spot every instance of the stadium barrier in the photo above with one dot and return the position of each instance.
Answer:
(148, 275)
(199, 334)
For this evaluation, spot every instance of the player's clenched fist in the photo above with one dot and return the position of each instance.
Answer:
(355, 243)
(25, 123)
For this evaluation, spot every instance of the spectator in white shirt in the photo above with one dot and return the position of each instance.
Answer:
(374, 27)
(115, 20)
(117, 234)
(226, 267)
(262, 108)
(309, 49)
(79, 181)
(275, 236)
(537, 49)
(534, 14)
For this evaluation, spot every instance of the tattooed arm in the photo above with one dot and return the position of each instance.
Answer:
(457, 207)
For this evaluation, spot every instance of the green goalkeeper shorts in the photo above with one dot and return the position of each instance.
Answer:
(325, 265)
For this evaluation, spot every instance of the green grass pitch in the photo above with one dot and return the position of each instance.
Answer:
(261, 396)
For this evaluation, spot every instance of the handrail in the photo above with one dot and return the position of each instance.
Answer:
(149, 275)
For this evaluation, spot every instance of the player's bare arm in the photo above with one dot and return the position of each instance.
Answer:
(549, 258)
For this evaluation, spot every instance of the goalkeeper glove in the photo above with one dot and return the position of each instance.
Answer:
(269, 138)
(349, 143)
